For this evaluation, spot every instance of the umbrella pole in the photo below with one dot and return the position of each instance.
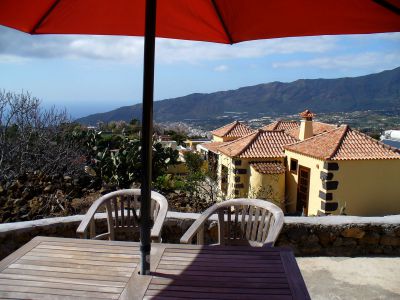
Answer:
(147, 133)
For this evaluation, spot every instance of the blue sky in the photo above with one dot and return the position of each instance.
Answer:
(89, 74)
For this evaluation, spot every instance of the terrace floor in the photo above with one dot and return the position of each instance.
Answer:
(351, 278)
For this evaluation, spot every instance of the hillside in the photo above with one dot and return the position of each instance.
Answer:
(375, 91)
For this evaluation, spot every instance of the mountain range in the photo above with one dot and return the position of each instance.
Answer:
(380, 91)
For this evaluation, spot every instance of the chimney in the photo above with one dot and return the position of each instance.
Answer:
(306, 125)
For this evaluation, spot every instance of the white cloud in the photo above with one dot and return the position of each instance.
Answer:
(170, 51)
(130, 49)
(16, 47)
(362, 60)
(221, 68)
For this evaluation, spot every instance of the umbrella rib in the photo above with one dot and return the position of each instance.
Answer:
(39, 23)
(386, 4)
(221, 20)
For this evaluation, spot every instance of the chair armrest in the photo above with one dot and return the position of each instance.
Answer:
(83, 226)
(159, 221)
(189, 234)
(276, 228)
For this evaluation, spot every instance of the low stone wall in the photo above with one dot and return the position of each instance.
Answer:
(306, 236)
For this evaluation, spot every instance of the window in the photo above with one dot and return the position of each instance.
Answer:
(238, 162)
(224, 179)
(237, 179)
(293, 166)
(240, 171)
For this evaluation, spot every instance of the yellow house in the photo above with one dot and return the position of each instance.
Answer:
(342, 171)
(324, 169)
(254, 166)
(192, 143)
(231, 132)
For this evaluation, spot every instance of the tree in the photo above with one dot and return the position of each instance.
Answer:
(194, 162)
(179, 137)
(134, 122)
(33, 139)
(200, 183)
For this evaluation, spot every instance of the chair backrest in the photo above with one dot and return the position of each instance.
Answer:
(243, 221)
(123, 213)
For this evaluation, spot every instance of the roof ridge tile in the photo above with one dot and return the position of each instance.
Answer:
(346, 128)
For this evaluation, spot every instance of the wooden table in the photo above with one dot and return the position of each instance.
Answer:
(60, 268)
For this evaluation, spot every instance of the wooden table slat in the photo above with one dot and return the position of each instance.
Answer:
(209, 282)
(88, 249)
(219, 279)
(57, 285)
(217, 256)
(221, 268)
(222, 252)
(94, 246)
(221, 274)
(202, 295)
(82, 261)
(33, 296)
(57, 292)
(97, 282)
(216, 260)
(70, 270)
(47, 240)
(98, 255)
(66, 275)
(75, 265)
(220, 290)
(228, 263)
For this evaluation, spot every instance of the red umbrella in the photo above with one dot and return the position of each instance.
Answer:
(221, 21)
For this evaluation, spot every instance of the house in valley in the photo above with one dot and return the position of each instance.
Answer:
(230, 132)
(309, 168)
(221, 136)
(343, 171)
(254, 166)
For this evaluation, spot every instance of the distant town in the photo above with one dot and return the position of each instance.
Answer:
(371, 122)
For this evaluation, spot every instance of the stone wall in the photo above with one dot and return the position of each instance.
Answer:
(306, 236)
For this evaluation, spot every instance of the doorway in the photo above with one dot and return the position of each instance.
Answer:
(303, 188)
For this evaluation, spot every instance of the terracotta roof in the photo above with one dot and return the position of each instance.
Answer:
(344, 143)
(268, 167)
(307, 114)
(213, 146)
(235, 129)
(281, 125)
(318, 128)
(259, 144)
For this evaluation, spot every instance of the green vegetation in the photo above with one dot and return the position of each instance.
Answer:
(193, 162)
(116, 159)
(177, 136)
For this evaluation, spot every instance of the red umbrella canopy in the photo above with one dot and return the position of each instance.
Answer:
(222, 21)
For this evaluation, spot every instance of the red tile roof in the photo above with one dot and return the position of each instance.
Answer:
(281, 125)
(213, 146)
(268, 167)
(259, 144)
(235, 129)
(344, 143)
(318, 128)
